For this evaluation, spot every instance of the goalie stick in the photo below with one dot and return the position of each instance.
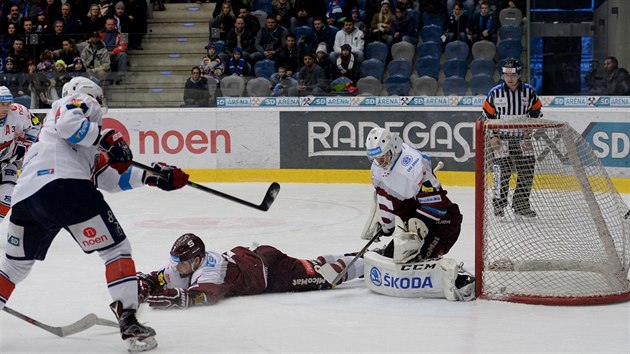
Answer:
(270, 196)
(326, 271)
(64, 331)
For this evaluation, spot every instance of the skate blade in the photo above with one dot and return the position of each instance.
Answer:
(136, 345)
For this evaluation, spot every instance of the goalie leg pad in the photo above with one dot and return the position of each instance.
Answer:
(459, 285)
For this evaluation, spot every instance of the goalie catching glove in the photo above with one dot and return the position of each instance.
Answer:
(165, 176)
(118, 151)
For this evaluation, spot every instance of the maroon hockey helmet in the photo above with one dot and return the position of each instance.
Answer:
(186, 247)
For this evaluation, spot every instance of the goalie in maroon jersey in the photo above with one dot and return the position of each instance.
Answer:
(196, 276)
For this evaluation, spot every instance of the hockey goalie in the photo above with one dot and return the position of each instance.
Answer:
(412, 208)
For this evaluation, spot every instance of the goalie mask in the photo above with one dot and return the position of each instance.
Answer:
(187, 247)
(383, 147)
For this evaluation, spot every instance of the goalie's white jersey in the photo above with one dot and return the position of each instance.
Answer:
(18, 124)
(66, 149)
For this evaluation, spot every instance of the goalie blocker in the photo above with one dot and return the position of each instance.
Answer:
(427, 278)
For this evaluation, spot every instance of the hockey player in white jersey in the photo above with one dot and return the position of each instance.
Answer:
(411, 206)
(57, 190)
(19, 130)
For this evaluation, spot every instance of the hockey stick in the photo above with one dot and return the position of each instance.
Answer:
(64, 331)
(377, 234)
(269, 198)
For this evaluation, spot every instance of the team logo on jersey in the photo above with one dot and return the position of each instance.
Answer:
(406, 160)
(48, 171)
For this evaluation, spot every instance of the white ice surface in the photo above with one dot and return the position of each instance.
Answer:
(307, 220)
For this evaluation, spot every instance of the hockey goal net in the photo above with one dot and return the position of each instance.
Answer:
(576, 250)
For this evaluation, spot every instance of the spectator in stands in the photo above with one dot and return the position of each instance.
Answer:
(405, 4)
(349, 35)
(310, 78)
(211, 64)
(312, 8)
(196, 92)
(286, 82)
(218, 7)
(251, 22)
(335, 10)
(15, 16)
(77, 68)
(322, 33)
(54, 40)
(289, 55)
(8, 38)
(52, 10)
(355, 15)
(108, 8)
(71, 24)
(240, 37)
(16, 82)
(323, 60)
(483, 25)
(223, 23)
(39, 21)
(457, 24)
(122, 21)
(69, 51)
(46, 66)
(45, 79)
(269, 39)
(372, 7)
(237, 65)
(79, 8)
(96, 57)
(346, 65)
(94, 21)
(300, 18)
(116, 45)
(381, 25)
(19, 55)
(617, 79)
(61, 76)
(468, 6)
(282, 11)
(403, 28)
(31, 37)
(137, 10)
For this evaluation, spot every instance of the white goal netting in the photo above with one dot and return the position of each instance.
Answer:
(577, 246)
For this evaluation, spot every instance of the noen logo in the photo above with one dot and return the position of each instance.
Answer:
(89, 232)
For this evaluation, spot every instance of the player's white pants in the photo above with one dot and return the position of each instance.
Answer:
(120, 272)
(7, 184)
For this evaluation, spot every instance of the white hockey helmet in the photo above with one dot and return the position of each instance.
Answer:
(85, 86)
(5, 94)
(381, 141)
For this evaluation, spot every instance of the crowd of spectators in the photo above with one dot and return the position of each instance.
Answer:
(316, 45)
(44, 43)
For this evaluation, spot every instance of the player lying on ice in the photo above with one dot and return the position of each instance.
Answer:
(196, 276)
(411, 206)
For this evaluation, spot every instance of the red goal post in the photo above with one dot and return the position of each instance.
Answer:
(576, 251)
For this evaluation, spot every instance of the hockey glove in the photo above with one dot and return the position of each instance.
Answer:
(146, 286)
(21, 145)
(165, 177)
(169, 299)
(118, 151)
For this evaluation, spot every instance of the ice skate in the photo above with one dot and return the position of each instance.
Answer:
(139, 338)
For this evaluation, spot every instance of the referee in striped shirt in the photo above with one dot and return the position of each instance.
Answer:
(513, 148)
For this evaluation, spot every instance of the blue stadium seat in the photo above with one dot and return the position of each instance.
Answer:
(369, 86)
(433, 19)
(428, 66)
(455, 67)
(456, 50)
(399, 67)
(265, 68)
(373, 67)
(305, 32)
(424, 86)
(510, 32)
(264, 5)
(403, 50)
(377, 50)
(397, 85)
(480, 84)
(484, 49)
(454, 85)
(431, 33)
(414, 16)
(430, 48)
(510, 48)
(482, 66)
